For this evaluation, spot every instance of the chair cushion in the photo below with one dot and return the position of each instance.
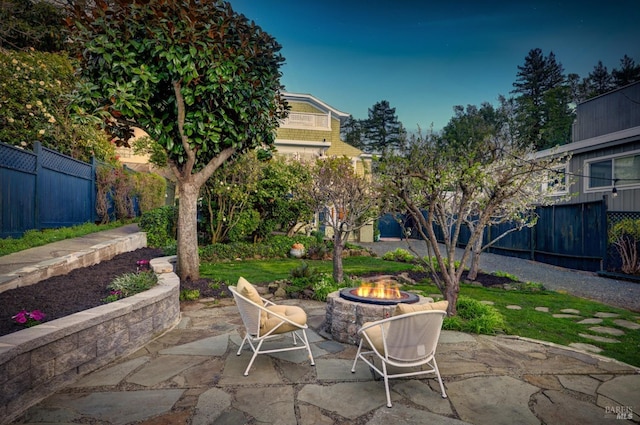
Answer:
(291, 312)
(375, 335)
(403, 308)
(247, 290)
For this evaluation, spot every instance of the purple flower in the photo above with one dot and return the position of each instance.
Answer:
(37, 315)
(29, 318)
(21, 317)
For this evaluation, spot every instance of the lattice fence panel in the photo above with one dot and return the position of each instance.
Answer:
(17, 159)
(58, 162)
(614, 262)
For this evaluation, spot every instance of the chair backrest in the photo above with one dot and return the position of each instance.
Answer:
(249, 312)
(414, 336)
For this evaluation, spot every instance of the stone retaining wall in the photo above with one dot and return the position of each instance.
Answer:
(38, 361)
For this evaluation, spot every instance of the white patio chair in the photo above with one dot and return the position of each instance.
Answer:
(263, 320)
(402, 341)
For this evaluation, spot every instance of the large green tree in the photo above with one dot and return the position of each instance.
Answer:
(31, 24)
(382, 129)
(543, 96)
(201, 79)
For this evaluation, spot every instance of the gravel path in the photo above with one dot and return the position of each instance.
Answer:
(583, 284)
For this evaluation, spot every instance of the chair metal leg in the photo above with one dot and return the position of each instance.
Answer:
(435, 367)
(242, 345)
(353, 368)
(386, 383)
(256, 351)
(306, 343)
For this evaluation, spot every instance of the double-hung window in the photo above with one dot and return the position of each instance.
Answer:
(619, 171)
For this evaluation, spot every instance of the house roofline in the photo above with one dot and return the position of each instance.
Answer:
(305, 97)
(609, 139)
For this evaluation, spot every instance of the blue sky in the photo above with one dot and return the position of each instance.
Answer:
(424, 57)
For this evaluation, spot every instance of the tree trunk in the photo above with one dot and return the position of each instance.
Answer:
(475, 260)
(338, 248)
(188, 266)
(451, 295)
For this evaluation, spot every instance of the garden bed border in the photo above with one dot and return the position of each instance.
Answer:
(38, 361)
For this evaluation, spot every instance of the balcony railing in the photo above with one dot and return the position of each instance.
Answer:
(307, 121)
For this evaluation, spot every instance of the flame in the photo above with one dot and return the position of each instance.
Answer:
(381, 289)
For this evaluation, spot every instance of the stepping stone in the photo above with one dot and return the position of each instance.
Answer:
(566, 316)
(488, 302)
(607, 330)
(542, 309)
(585, 347)
(606, 315)
(592, 321)
(514, 307)
(570, 311)
(627, 324)
(599, 338)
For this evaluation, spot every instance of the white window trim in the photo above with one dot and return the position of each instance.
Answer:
(587, 177)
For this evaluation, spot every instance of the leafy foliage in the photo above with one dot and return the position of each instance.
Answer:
(475, 317)
(160, 225)
(399, 254)
(131, 283)
(31, 24)
(34, 89)
(202, 80)
(625, 236)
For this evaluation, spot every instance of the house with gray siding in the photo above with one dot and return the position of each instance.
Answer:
(605, 149)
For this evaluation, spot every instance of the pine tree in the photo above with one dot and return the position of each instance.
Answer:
(628, 73)
(351, 132)
(599, 80)
(382, 130)
(543, 97)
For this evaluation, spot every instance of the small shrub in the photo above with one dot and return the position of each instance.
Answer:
(189, 294)
(160, 225)
(531, 287)
(475, 317)
(130, 284)
(399, 254)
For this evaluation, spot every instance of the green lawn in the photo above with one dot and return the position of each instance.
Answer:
(526, 322)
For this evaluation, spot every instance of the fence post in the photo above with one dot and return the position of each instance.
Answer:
(37, 149)
(93, 190)
(604, 263)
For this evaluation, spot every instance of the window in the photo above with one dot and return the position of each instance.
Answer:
(557, 181)
(614, 171)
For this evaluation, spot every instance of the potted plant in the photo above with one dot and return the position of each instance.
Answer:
(297, 250)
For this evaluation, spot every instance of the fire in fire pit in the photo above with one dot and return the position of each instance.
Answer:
(384, 292)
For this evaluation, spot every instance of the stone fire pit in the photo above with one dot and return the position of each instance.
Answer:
(345, 316)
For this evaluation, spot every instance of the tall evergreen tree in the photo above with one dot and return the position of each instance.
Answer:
(351, 132)
(599, 80)
(543, 97)
(382, 130)
(628, 73)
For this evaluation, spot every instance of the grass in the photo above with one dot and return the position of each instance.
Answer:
(35, 238)
(526, 322)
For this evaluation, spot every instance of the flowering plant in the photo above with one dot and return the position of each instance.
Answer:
(29, 318)
(142, 265)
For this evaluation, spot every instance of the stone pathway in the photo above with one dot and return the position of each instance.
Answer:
(570, 313)
(191, 375)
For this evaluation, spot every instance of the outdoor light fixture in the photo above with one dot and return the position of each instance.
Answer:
(614, 192)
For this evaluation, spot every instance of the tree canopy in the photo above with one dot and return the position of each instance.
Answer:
(202, 80)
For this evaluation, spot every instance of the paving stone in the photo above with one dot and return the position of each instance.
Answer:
(170, 418)
(590, 321)
(493, 400)
(312, 415)
(554, 407)
(163, 368)
(542, 309)
(607, 330)
(452, 337)
(604, 315)
(570, 311)
(627, 324)
(272, 405)
(340, 370)
(121, 407)
(347, 399)
(486, 302)
(623, 389)
(513, 307)
(580, 383)
(422, 394)
(405, 415)
(547, 382)
(214, 346)
(111, 376)
(210, 406)
(205, 374)
(566, 316)
(599, 338)
(585, 347)
(262, 371)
